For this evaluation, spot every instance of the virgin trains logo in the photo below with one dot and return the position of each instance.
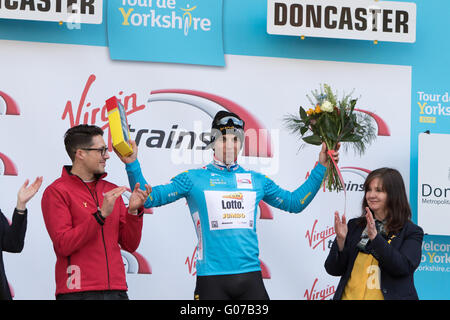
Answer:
(257, 137)
(317, 238)
(361, 175)
(352, 184)
(8, 106)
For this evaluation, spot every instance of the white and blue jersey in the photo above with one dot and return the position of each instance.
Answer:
(223, 205)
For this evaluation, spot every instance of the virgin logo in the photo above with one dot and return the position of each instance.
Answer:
(318, 238)
(86, 113)
(191, 263)
(316, 293)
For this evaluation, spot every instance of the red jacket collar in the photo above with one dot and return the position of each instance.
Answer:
(66, 173)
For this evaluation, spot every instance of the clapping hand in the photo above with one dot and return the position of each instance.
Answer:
(27, 192)
(109, 200)
(138, 198)
(341, 229)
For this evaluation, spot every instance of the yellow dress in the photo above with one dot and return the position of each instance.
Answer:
(364, 282)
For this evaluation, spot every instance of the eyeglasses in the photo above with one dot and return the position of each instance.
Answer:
(102, 150)
(234, 120)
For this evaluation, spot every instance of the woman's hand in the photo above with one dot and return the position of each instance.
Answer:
(371, 228)
(340, 227)
(27, 192)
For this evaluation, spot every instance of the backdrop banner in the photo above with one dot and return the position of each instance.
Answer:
(170, 117)
(160, 58)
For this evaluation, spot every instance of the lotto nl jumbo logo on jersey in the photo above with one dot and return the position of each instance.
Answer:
(230, 210)
(182, 31)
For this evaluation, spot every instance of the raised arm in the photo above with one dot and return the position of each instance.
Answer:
(178, 187)
(297, 200)
(14, 234)
(160, 195)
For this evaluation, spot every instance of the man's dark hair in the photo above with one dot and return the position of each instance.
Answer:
(80, 137)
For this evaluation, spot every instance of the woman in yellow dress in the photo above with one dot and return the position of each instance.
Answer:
(376, 254)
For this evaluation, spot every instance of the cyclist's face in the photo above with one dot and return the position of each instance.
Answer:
(226, 148)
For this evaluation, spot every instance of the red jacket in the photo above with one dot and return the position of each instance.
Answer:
(82, 240)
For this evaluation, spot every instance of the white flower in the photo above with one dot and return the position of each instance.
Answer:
(326, 106)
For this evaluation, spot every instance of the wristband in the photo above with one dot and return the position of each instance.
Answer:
(135, 213)
(98, 216)
(20, 211)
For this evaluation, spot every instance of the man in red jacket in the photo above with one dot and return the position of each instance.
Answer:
(88, 221)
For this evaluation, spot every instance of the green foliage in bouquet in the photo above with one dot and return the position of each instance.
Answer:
(332, 121)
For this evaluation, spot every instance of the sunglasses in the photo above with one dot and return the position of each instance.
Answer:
(234, 120)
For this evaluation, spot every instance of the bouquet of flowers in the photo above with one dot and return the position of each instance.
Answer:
(333, 121)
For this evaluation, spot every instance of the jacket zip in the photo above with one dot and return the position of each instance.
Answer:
(106, 255)
(68, 274)
(103, 234)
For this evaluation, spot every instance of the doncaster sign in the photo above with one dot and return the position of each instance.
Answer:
(349, 19)
(75, 11)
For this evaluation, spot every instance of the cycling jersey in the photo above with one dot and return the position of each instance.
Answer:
(223, 202)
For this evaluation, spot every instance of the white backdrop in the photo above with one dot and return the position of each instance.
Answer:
(44, 78)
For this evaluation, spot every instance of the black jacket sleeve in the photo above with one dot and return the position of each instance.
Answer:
(13, 235)
(337, 261)
(400, 261)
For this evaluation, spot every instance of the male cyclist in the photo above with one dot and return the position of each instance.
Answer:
(223, 198)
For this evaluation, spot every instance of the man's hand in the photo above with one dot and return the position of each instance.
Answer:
(323, 155)
(109, 200)
(132, 157)
(138, 198)
(371, 228)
